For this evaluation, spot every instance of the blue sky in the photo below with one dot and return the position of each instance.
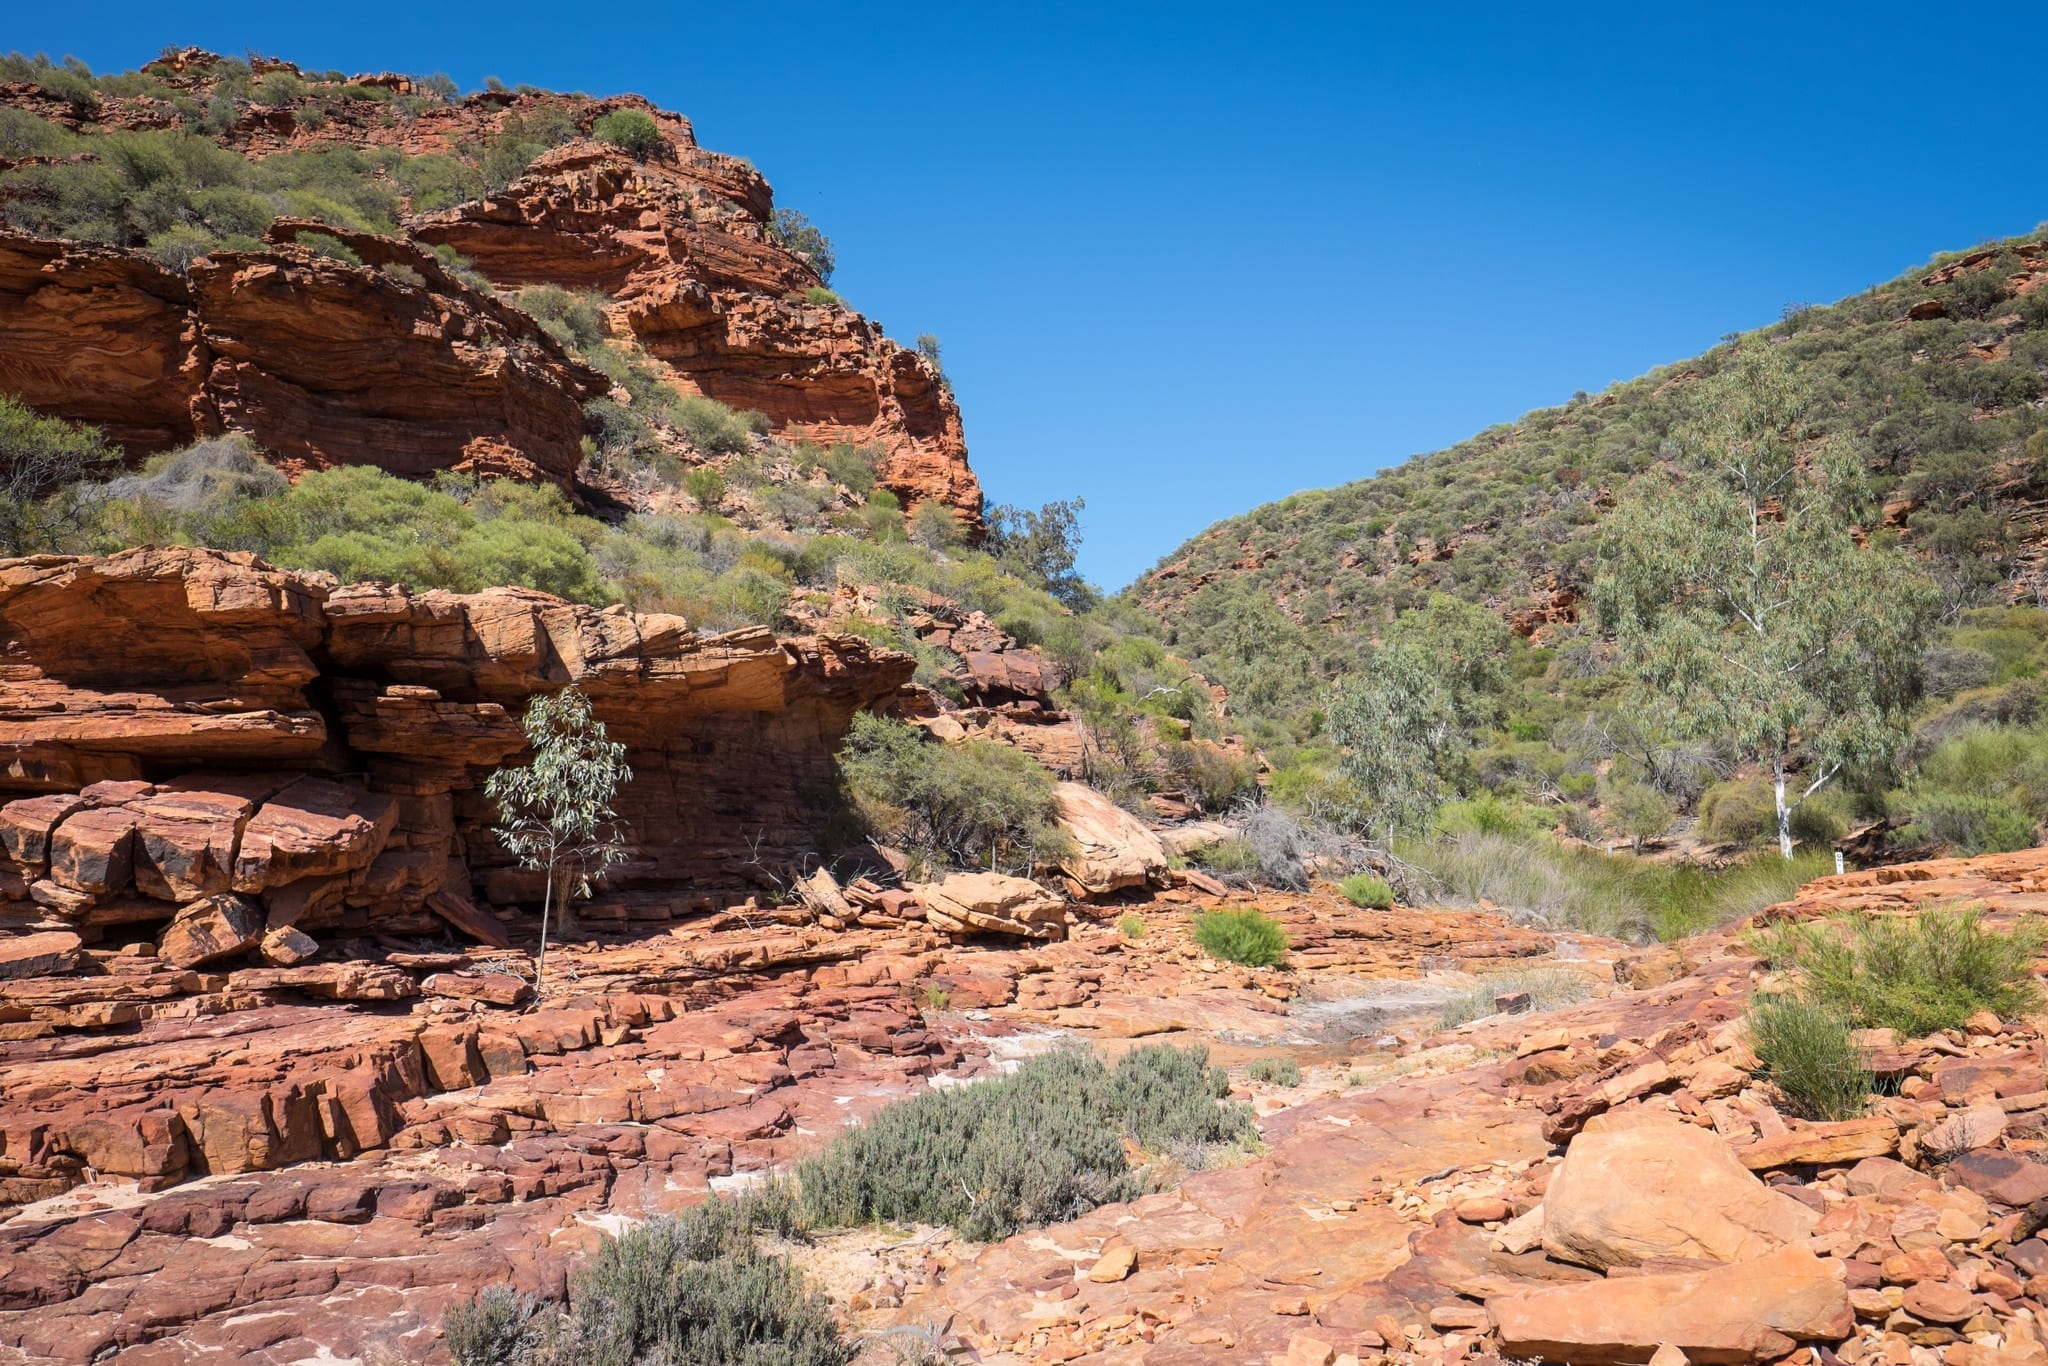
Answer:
(1189, 258)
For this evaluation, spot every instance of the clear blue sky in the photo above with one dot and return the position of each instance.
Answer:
(1189, 258)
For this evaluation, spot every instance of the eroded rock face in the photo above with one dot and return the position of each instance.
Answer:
(320, 362)
(195, 729)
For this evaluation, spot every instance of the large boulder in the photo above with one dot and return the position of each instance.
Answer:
(1731, 1315)
(1112, 848)
(1661, 1188)
(210, 928)
(991, 903)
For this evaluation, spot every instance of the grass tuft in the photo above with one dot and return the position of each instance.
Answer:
(1243, 935)
(1804, 1049)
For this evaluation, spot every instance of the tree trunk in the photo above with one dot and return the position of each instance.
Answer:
(547, 906)
(1784, 813)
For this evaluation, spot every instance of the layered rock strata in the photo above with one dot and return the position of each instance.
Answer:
(394, 363)
(197, 741)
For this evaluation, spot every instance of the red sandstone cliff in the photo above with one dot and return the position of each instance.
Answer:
(324, 363)
(195, 738)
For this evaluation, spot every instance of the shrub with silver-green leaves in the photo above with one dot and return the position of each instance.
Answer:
(498, 1326)
(1040, 1146)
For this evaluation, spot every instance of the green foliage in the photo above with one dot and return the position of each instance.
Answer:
(713, 427)
(1284, 601)
(1131, 926)
(1916, 975)
(1981, 789)
(1244, 935)
(1274, 1071)
(936, 526)
(1040, 1146)
(632, 131)
(573, 318)
(1372, 893)
(1406, 718)
(818, 294)
(38, 457)
(1640, 811)
(498, 1326)
(706, 485)
(972, 805)
(797, 235)
(1538, 881)
(1965, 823)
(1804, 1049)
(695, 1290)
(1545, 987)
(555, 812)
(1741, 599)
(1040, 547)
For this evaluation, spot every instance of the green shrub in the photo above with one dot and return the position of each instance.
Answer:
(706, 486)
(1541, 882)
(713, 427)
(576, 319)
(1040, 1146)
(1804, 1049)
(632, 131)
(818, 294)
(1226, 856)
(797, 235)
(496, 1327)
(854, 468)
(1131, 926)
(1917, 975)
(1275, 1071)
(1372, 893)
(38, 457)
(1965, 823)
(1638, 810)
(972, 805)
(1487, 814)
(1243, 935)
(694, 1291)
(1738, 813)
(1546, 987)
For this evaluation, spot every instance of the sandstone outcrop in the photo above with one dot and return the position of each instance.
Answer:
(197, 740)
(397, 363)
(320, 362)
(680, 243)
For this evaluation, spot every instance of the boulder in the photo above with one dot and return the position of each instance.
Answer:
(94, 850)
(1727, 1316)
(314, 828)
(993, 903)
(25, 827)
(1663, 1189)
(187, 832)
(286, 947)
(1112, 848)
(210, 928)
(37, 955)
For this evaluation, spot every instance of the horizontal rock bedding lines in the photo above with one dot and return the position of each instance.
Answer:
(195, 737)
(325, 362)
(288, 1145)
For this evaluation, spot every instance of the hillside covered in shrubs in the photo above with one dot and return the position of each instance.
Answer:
(1914, 410)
